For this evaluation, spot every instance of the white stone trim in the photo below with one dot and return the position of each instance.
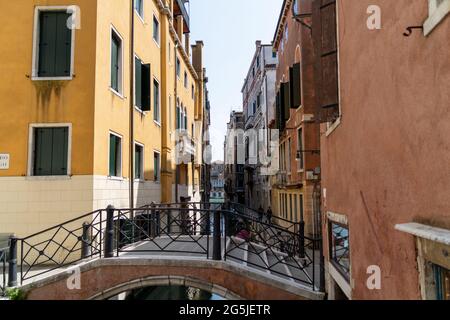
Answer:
(436, 13)
(36, 32)
(340, 280)
(337, 217)
(425, 232)
(31, 147)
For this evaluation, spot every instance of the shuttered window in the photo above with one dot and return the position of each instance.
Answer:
(156, 29)
(116, 63)
(156, 166)
(285, 100)
(138, 162)
(325, 45)
(178, 117)
(139, 7)
(156, 112)
(115, 156)
(55, 44)
(295, 88)
(50, 151)
(142, 83)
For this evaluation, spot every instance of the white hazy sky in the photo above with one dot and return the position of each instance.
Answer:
(229, 30)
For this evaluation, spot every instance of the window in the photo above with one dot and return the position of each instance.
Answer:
(257, 62)
(442, 280)
(53, 41)
(115, 155)
(339, 248)
(142, 85)
(288, 156)
(290, 208)
(156, 166)
(178, 67)
(156, 109)
(185, 119)
(138, 161)
(193, 92)
(185, 79)
(156, 30)
(50, 151)
(178, 118)
(300, 157)
(437, 11)
(116, 62)
(139, 7)
(274, 54)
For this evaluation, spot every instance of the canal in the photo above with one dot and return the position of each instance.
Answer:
(168, 293)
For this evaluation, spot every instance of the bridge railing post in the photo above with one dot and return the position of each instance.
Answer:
(217, 250)
(301, 238)
(85, 241)
(109, 234)
(12, 262)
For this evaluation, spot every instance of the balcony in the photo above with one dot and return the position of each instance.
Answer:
(281, 179)
(180, 9)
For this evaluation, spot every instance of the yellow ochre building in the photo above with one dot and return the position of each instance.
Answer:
(86, 108)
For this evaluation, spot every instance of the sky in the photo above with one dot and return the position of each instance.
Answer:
(229, 30)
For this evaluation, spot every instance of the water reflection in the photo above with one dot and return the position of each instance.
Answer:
(168, 293)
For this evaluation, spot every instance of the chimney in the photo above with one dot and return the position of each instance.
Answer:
(180, 26)
(258, 43)
(197, 56)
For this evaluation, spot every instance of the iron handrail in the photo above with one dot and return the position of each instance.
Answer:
(156, 227)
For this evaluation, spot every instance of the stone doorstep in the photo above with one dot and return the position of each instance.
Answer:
(256, 275)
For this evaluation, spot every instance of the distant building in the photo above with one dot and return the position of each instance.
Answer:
(217, 193)
(258, 95)
(296, 188)
(235, 158)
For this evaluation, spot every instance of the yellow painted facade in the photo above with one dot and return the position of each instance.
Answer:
(92, 110)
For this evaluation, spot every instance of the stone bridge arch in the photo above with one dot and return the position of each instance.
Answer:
(105, 278)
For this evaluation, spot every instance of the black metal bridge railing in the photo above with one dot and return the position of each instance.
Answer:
(193, 229)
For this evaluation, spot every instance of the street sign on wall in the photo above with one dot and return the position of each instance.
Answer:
(4, 161)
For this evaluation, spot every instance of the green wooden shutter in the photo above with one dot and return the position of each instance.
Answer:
(178, 118)
(59, 151)
(43, 138)
(146, 87)
(47, 42)
(296, 88)
(138, 83)
(138, 162)
(115, 49)
(112, 156)
(63, 45)
(156, 101)
(286, 100)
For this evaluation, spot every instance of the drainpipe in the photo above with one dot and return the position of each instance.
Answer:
(131, 142)
(177, 169)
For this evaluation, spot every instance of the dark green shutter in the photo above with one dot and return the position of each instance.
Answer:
(146, 85)
(155, 101)
(59, 151)
(51, 151)
(43, 152)
(63, 46)
(112, 156)
(115, 49)
(178, 118)
(296, 88)
(138, 162)
(285, 97)
(47, 42)
(138, 83)
(55, 42)
(278, 111)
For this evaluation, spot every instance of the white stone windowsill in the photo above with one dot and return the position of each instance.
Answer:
(48, 178)
(426, 232)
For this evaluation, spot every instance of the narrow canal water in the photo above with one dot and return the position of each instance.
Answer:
(169, 293)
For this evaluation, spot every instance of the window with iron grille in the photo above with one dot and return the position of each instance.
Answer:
(340, 248)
